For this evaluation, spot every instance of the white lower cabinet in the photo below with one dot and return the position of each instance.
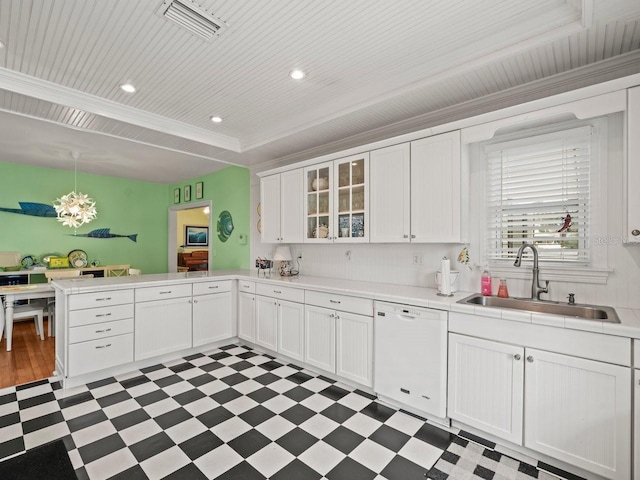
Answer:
(212, 318)
(486, 381)
(340, 343)
(572, 409)
(162, 326)
(320, 337)
(579, 411)
(267, 322)
(291, 329)
(100, 333)
(247, 316)
(354, 342)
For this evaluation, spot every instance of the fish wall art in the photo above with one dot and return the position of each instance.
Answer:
(33, 209)
(105, 233)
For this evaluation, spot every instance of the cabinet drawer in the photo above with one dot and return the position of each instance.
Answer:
(244, 286)
(344, 303)
(100, 330)
(203, 288)
(100, 299)
(95, 355)
(149, 294)
(283, 293)
(88, 316)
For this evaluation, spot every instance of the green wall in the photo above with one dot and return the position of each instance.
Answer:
(228, 189)
(124, 206)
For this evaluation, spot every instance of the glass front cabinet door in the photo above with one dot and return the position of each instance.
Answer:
(351, 198)
(336, 200)
(319, 203)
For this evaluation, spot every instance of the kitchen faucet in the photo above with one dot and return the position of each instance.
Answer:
(536, 289)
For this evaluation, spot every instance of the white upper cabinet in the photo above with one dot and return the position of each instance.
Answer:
(436, 189)
(337, 196)
(281, 199)
(632, 204)
(390, 169)
(416, 191)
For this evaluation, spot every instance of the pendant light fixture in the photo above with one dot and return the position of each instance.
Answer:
(75, 209)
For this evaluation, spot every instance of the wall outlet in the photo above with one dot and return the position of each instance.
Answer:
(418, 259)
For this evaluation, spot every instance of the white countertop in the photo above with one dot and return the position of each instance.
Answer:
(419, 296)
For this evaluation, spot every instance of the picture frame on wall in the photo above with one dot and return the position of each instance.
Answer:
(199, 190)
(176, 195)
(196, 236)
(187, 193)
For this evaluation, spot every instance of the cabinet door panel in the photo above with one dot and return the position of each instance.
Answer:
(636, 416)
(354, 334)
(632, 178)
(162, 326)
(390, 194)
(211, 318)
(247, 316)
(486, 381)
(320, 338)
(270, 202)
(291, 206)
(267, 322)
(291, 329)
(435, 188)
(579, 411)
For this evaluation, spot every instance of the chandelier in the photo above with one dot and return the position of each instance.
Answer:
(75, 209)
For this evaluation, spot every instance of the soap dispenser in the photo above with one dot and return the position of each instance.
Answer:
(485, 283)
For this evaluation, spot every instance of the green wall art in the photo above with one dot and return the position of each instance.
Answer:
(225, 226)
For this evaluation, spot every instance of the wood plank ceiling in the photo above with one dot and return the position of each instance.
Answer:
(381, 66)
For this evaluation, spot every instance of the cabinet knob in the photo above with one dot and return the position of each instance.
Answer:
(413, 236)
(530, 359)
(635, 232)
(405, 236)
(517, 356)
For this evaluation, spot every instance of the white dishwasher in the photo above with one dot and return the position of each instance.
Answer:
(411, 356)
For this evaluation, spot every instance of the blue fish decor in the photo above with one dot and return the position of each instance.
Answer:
(105, 233)
(33, 209)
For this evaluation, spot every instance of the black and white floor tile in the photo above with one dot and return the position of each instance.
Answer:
(230, 414)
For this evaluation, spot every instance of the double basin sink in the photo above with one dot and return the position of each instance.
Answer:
(586, 312)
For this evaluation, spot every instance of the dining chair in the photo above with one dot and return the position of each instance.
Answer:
(117, 270)
(51, 301)
(19, 312)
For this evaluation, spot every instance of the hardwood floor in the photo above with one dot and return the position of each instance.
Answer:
(29, 359)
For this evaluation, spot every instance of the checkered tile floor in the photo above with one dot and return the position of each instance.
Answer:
(231, 414)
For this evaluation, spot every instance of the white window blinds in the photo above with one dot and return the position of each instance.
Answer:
(539, 192)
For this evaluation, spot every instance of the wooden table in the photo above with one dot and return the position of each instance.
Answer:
(13, 293)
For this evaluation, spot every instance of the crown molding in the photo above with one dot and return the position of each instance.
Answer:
(51, 92)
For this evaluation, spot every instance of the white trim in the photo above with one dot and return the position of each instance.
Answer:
(51, 92)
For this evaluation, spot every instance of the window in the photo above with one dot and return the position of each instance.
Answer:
(539, 191)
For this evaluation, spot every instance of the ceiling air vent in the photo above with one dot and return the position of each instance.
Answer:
(191, 17)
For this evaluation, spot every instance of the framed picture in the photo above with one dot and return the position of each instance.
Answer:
(199, 190)
(176, 195)
(187, 193)
(196, 236)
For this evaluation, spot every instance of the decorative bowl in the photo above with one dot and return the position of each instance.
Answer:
(320, 183)
(321, 232)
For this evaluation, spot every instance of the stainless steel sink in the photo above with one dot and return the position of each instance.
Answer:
(588, 312)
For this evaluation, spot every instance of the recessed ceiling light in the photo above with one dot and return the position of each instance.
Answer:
(216, 119)
(297, 74)
(127, 87)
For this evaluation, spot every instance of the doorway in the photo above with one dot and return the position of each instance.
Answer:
(195, 214)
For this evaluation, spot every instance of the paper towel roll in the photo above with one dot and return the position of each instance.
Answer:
(445, 272)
